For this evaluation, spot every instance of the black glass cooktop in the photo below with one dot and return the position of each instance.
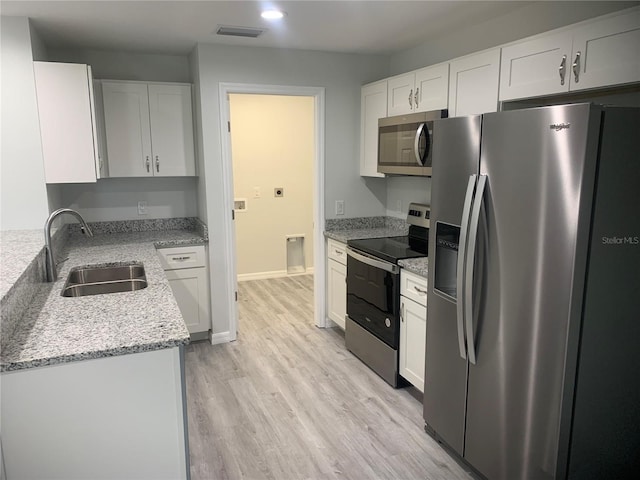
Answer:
(390, 249)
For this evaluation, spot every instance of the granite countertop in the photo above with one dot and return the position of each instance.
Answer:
(56, 329)
(360, 233)
(419, 266)
(18, 248)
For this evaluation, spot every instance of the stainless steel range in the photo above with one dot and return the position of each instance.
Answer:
(372, 331)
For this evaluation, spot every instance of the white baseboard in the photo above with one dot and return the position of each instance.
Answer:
(243, 277)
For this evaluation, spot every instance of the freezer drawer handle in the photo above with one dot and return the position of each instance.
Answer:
(460, 272)
(468, 280)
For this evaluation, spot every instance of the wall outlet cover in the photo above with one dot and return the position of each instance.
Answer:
(339, 207)
(142, 208)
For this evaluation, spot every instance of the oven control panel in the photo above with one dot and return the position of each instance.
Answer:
(419, 214)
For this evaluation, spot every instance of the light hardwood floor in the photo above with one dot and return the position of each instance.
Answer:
(288, 401)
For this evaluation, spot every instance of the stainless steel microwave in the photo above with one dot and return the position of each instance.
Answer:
(404, 143)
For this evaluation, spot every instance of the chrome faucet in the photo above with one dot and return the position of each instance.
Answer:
(52, 271)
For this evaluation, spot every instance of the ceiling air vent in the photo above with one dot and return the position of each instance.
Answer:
(240, 31)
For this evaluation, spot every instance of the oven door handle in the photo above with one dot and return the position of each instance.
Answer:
(372, 261)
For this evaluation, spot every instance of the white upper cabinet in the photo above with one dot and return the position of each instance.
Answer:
(171, 130)
(67, 122)
(373, 106)
(595, 54)
(149, 129)
(609, 52)
(431, 88)
(418, 91)
(473, 84)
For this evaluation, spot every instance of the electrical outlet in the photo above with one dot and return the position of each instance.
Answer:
(256, 192)
(339, 207)
(142, 208)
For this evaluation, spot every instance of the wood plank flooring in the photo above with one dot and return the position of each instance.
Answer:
(288, 401)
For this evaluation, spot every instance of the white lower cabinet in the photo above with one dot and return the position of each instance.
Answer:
(413, 328)
(186, 270)
(112, 417)
(337, 282)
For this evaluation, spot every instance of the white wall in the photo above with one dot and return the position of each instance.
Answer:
(403, 190)
(272, 140)
(342, 76)
(128, 66)
(531, 19)
(117, 198)
(23, 196)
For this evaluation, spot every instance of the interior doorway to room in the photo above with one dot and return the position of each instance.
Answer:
(273, 148)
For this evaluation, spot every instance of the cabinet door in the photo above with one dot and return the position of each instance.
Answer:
(373, 106)
(431, 88)
(128, 138)
(536, 67)
(474, 83)
(336, 292)
(189, 286)
(413, 338)
(607, 52)
(171, 130)
(66, 121)
(400, 94)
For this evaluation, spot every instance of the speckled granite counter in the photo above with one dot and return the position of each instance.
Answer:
(419, 266)
(347, 229)
(56, 329)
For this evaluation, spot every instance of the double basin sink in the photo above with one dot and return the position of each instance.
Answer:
(97, 279)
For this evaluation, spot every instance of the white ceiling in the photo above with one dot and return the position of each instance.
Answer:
(174, 27)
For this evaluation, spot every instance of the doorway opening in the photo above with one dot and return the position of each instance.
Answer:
(273, 165)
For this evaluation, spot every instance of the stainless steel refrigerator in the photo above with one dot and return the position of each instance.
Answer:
(533, 326)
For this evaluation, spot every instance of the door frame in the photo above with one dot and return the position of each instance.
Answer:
(318, 94)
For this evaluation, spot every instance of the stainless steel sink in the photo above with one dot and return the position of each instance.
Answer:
(98, 280)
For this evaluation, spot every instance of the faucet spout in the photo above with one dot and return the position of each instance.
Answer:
(52, 271)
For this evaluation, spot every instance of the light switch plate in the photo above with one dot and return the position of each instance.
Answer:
(339, 207)
(142, 208)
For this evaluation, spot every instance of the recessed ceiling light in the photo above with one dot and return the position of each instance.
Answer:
(272, 14)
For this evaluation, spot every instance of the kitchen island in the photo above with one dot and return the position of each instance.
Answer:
(94, 386)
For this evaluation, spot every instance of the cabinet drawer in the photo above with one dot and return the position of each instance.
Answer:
(182, 257)
(413, 286)
(337, 251)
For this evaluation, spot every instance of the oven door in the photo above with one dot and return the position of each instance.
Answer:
(373, 296)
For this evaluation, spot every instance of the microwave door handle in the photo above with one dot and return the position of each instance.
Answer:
(416, 144)
(460, 270)
(471, 255)
(373, 262)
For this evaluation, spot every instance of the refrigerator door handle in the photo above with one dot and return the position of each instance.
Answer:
(470, 259)
(460, 270)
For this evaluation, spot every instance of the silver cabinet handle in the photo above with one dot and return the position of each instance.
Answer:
(157, 164)
(471, 256)
(419, 290)
(460, 272)
(411, 98)
(147, 163)
(562, 69)
(402, 312)
(576, 67)
(180, 259)
(416, 144)
(338, 252)
(415, 97)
